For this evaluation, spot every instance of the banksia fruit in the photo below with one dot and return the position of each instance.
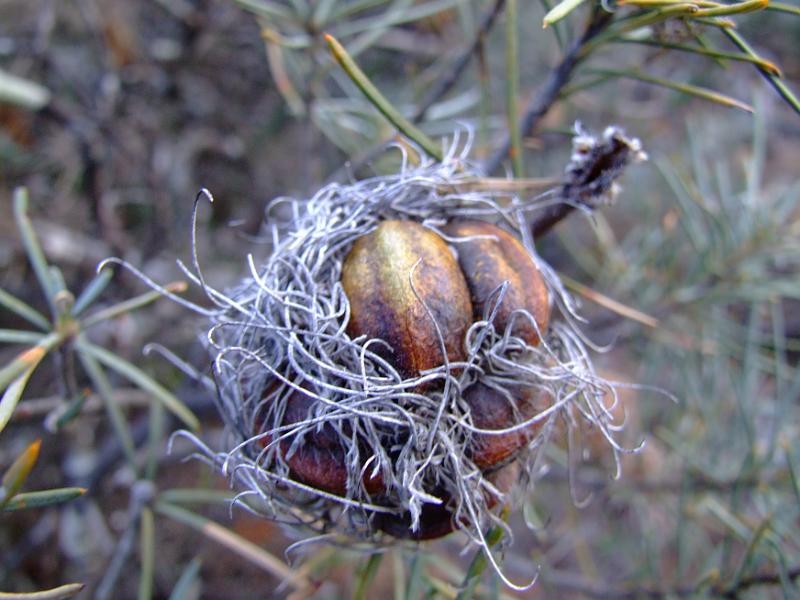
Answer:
(398, 362)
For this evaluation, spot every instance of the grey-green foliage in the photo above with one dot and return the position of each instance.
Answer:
(715, 509)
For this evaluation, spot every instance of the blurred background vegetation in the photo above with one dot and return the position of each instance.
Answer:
(113, 114)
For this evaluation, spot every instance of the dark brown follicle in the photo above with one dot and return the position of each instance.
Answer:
(488, 262)
(319, 459)
(377, 275)
(492, 410)
(437, 520)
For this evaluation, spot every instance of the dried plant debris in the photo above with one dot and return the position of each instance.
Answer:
(330, 430)
(596, 164)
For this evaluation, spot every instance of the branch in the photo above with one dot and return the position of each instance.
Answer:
(446, 83)
(558, 78)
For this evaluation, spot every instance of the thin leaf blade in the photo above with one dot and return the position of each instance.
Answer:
(18, 472)
(26, 500)
(559, 11)
(135, 375)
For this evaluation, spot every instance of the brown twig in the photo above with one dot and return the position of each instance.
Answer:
(558, 78)
(538, 108)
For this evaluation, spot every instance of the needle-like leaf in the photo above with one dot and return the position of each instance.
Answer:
(31, 243)
(686, 88)
(126, 306)
(92, 290)
(379, 101)
(142, 379)
(14, 376)
(185, 587)
(60, 593)
(234, 542)
(27, 500)
(559, 11)
(28, 313)
(17, 473)
(776, 83)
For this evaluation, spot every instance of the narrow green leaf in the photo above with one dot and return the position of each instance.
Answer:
(731, 521)
(155, 433)
(663, 3)
(22, 92)
(105, 390)
(176, 287)
(92, 291)
(398, 575)
(234, 542)
(301, 9)
(512, 87)
(14, 478)
(64, 414)
(559, 11)
(14, 376)
(372, 29)
(367, 575)
(787, 8)
(776, 83)
(793, 475)
(480, 562)
(141, 379)
(147, 553)
(556, 28)
(60, 593)
(188, 581)
(28, 500)
(322, 12)
(24, 360)
(16, 336)
(25, 311)
(732, 9)
(709, 52)
(752, 546)
(271, 10)
(685, 88)
(399, 14)
(379, 101)
(198, 495)
(414, 589)
(345, 10)
(31, 244)
(637, 21)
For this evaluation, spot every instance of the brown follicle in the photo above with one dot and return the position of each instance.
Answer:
(494, 411)
(319, 460)
(377, 277)
(489, 261)
(438, 520)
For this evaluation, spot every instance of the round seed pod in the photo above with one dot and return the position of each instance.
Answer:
(342, 284)
(497, 257)
(406, 286)
(377, 277)
(437, 520)
(319, 460)
(492, 410)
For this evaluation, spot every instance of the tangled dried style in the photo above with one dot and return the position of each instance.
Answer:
(332, 431)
